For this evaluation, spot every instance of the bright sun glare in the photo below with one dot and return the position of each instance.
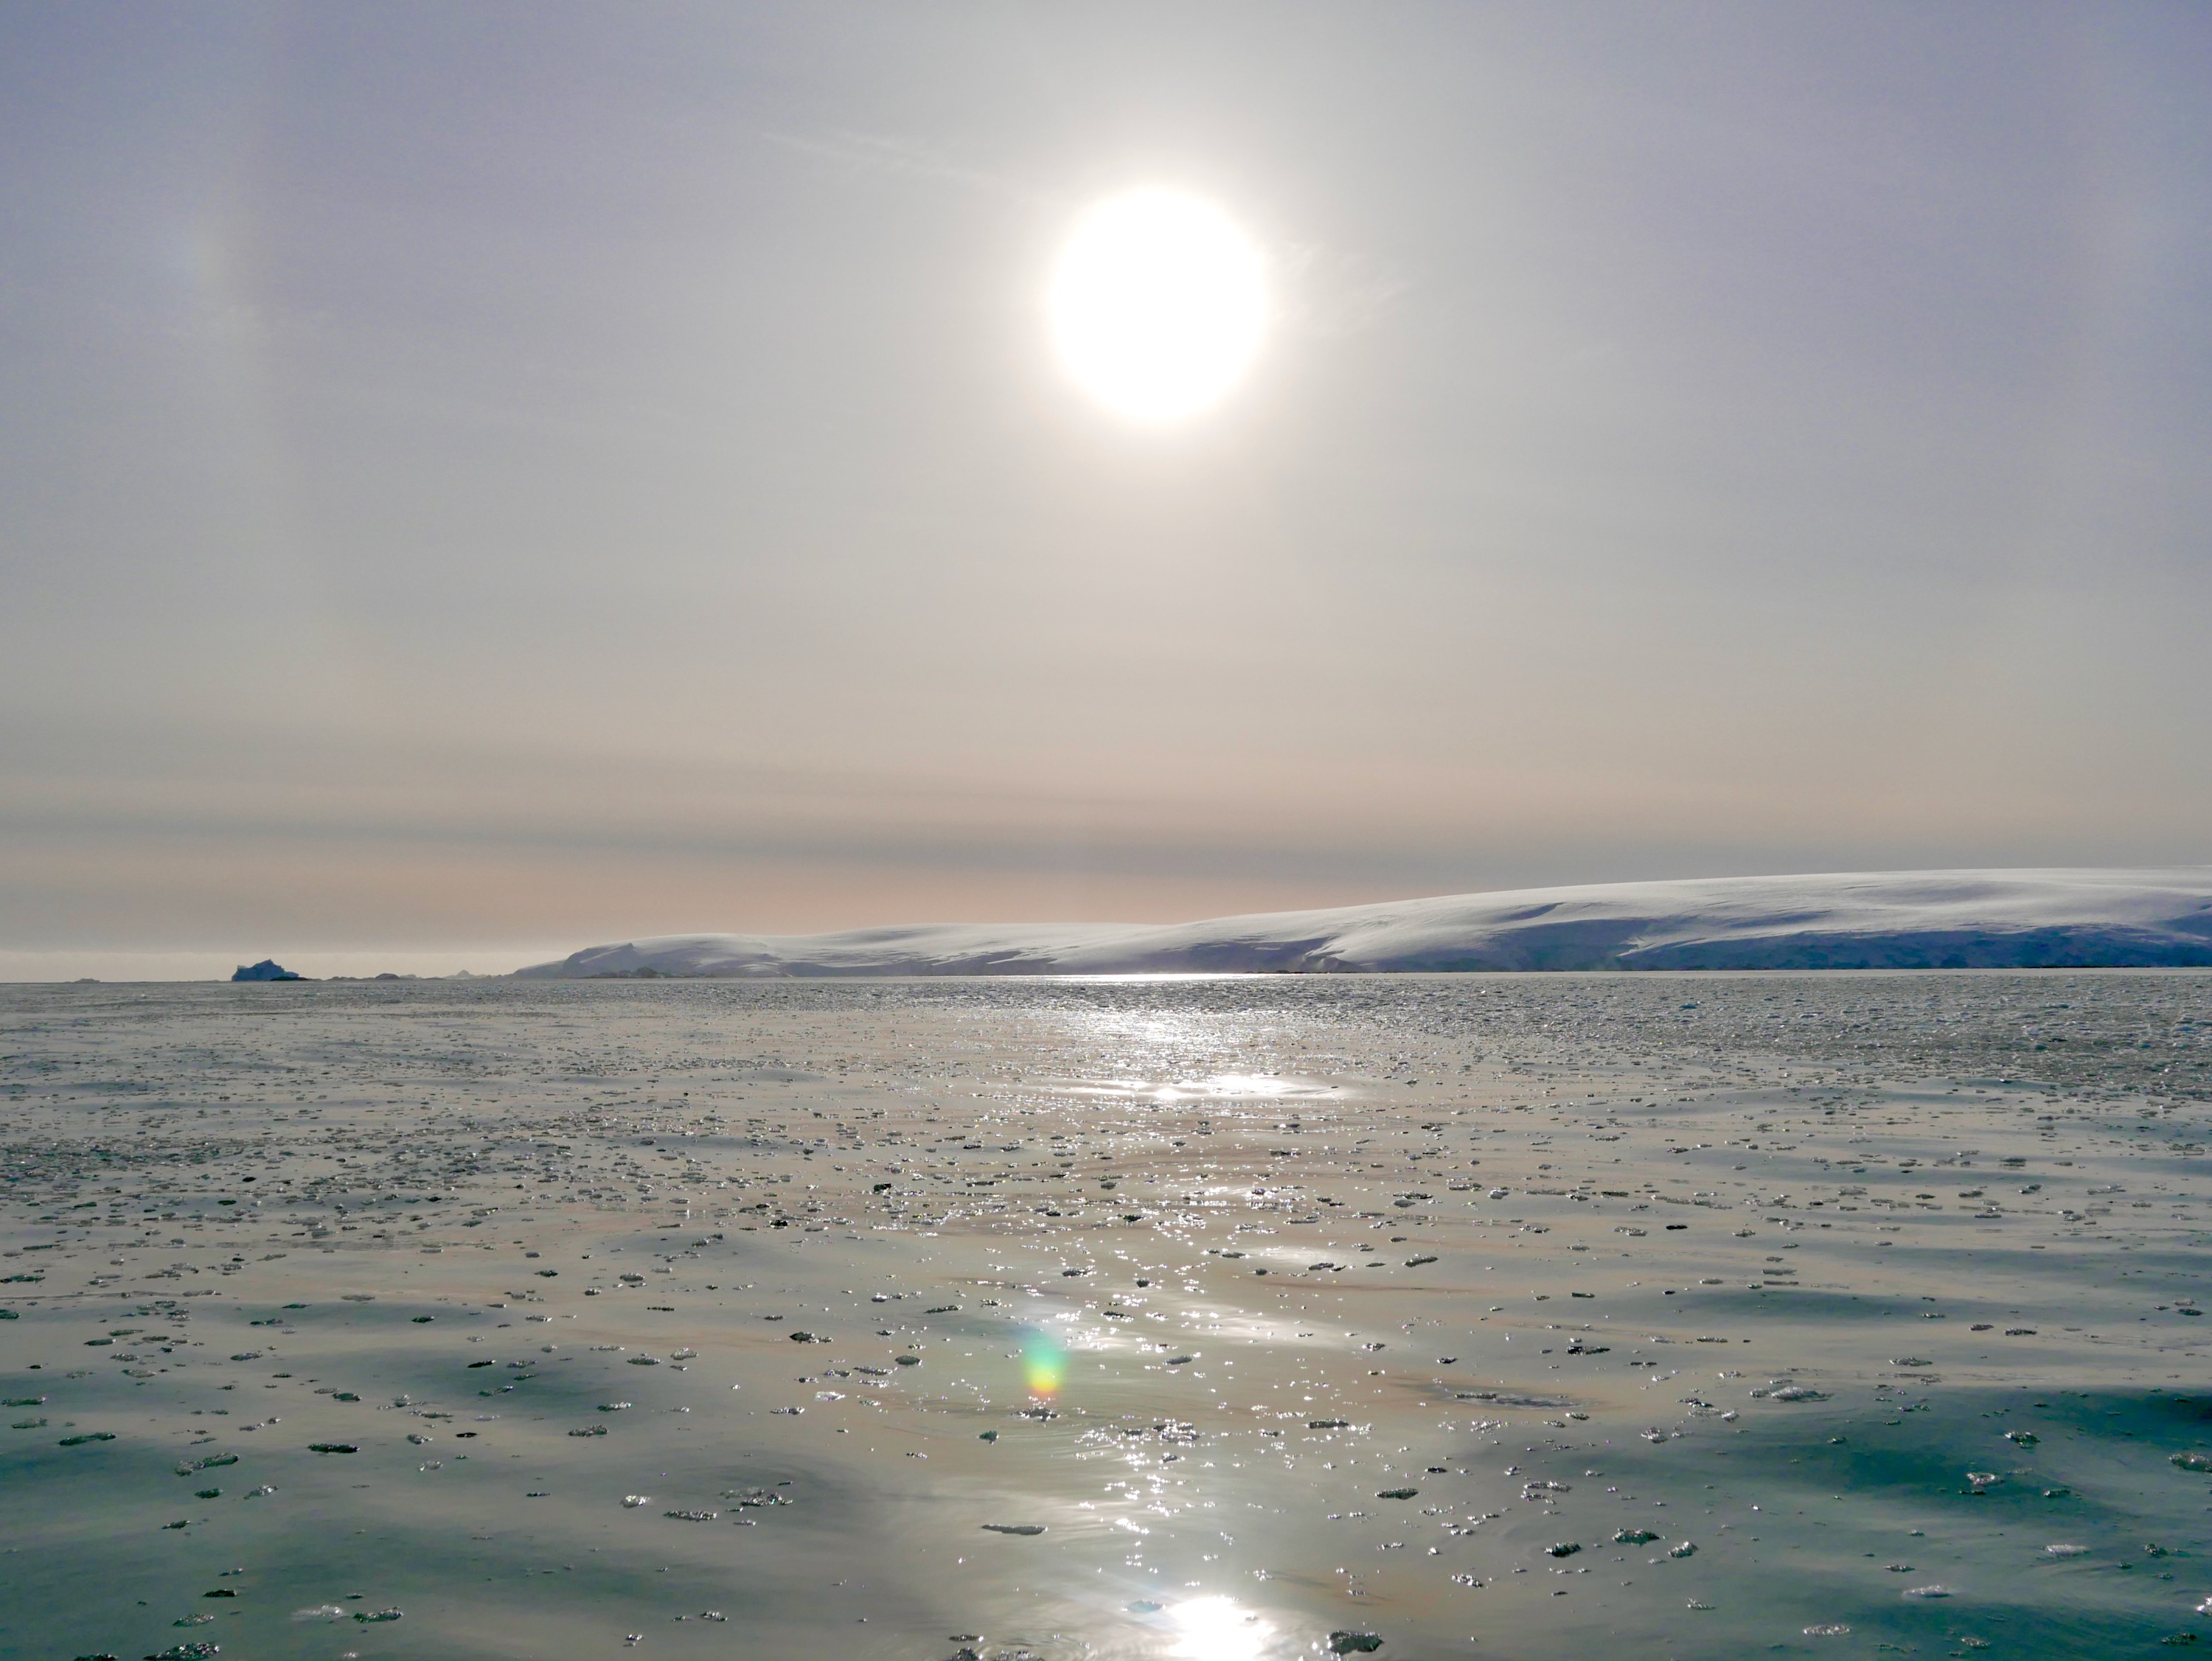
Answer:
(1157, 305)
(1216, 1629)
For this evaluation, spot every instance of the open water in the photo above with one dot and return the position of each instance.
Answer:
(1672, 1316)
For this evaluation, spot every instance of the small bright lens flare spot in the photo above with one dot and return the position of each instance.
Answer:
(1044, 1364)
(1157, 305)
(1218, 1629)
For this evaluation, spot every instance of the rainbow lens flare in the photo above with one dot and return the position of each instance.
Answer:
(1044, 1364)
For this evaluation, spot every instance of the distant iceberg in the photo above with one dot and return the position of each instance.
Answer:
(267, 969)
(1962, 920)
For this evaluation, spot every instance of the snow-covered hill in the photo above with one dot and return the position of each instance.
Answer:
(1882, 919)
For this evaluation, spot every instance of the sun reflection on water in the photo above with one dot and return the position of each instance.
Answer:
(1217, 1628)
(1215, 1087)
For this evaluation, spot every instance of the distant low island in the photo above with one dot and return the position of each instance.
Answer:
(1944, 919)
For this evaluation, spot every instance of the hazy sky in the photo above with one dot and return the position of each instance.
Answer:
(478, 474)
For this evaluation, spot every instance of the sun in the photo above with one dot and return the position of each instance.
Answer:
(1157, 305)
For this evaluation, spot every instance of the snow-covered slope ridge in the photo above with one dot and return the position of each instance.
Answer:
(1883, 919)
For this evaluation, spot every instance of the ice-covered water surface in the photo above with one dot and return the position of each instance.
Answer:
(1224, 1320)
